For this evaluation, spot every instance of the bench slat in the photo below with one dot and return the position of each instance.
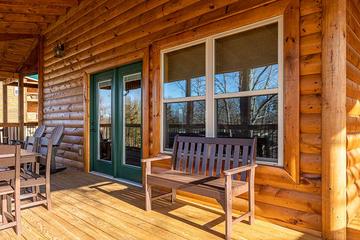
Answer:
(178, 155)
(198, 157)
(219, 160)
(191, 158)
(204, 159)
(175, 147)
(212, 159)
(245, 156)
(185, 156)
(235, 158)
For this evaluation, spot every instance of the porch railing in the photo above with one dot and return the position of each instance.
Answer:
(132, 134)
(11, 131)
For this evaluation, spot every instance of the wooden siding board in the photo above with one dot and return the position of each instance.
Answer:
(353, 108)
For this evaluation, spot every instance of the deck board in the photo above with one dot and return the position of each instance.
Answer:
(353, 228)
(86, 206)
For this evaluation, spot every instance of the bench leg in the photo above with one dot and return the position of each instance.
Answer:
(252, 197)
(148, 198)
(251, 206)
(48, 195)
(3, 209)
(228, 208)
(17, 214)
(173, 195)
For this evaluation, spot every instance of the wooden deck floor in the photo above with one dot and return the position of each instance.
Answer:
(353, 228)
(91, 207)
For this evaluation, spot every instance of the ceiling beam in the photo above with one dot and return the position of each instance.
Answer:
(4, 74)
(7, 62)
(32, 8)
(16, 36)
(22, 28)
(29, 63)
(25, 17)
(62, 3)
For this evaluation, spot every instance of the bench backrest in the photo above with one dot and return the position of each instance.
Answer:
(210, 156)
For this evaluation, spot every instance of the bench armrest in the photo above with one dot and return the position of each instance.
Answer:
(157, 158)
(240, 169)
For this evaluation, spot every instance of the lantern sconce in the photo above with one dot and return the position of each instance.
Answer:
(59, 50)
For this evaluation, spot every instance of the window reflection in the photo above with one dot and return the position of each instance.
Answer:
(254, 79)
(184, 88)
(247, 117)
(132, 112)
(104, 108)
(183, 118)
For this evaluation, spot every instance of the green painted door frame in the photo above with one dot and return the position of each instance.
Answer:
(117, 167)
(97, 164)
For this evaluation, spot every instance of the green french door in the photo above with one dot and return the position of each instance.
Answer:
(116, 122)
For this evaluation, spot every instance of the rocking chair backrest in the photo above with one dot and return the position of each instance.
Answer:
(210, 156)
(31, 141)
(45, 149)
(57, 135)
(39, 132)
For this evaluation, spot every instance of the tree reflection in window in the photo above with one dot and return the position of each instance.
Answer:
(183, 118)
(246, 117)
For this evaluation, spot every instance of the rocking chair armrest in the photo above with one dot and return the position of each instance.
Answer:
(240, 169)
(159, 157)
(14, 141)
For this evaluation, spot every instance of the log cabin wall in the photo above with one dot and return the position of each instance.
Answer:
(95, 37)
(353, 107)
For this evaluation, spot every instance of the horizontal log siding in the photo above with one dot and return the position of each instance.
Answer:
(95, 36)
(353, 107)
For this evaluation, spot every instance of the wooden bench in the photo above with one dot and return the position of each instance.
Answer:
(220, 168)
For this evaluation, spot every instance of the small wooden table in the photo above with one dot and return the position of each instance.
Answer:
(26, 157)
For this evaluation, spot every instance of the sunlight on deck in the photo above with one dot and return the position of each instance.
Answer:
(91, 207)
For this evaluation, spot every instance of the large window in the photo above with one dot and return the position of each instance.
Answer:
(228, 85)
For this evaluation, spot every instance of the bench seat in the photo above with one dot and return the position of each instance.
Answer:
(208, 186)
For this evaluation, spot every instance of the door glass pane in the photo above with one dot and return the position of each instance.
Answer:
(247, 61)
(104, 111)
(184, 74)
(132, 119)
(185, 119)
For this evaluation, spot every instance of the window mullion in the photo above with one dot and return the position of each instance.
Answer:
(210, 105)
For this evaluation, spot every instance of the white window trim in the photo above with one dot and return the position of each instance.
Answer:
(210, 97)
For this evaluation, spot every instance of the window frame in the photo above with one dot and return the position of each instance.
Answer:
(210, 96)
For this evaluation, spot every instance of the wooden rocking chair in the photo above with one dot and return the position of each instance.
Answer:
(10, 187)
(33, 179)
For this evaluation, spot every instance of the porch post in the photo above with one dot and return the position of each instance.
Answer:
(21, 106)
(40, 79)
(5, 111)
(334, 120)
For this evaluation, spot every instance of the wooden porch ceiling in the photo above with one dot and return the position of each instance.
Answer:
(21, 22)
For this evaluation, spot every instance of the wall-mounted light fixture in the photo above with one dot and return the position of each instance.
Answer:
(59, 50)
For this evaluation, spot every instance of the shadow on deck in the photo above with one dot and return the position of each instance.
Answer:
(92, 207)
